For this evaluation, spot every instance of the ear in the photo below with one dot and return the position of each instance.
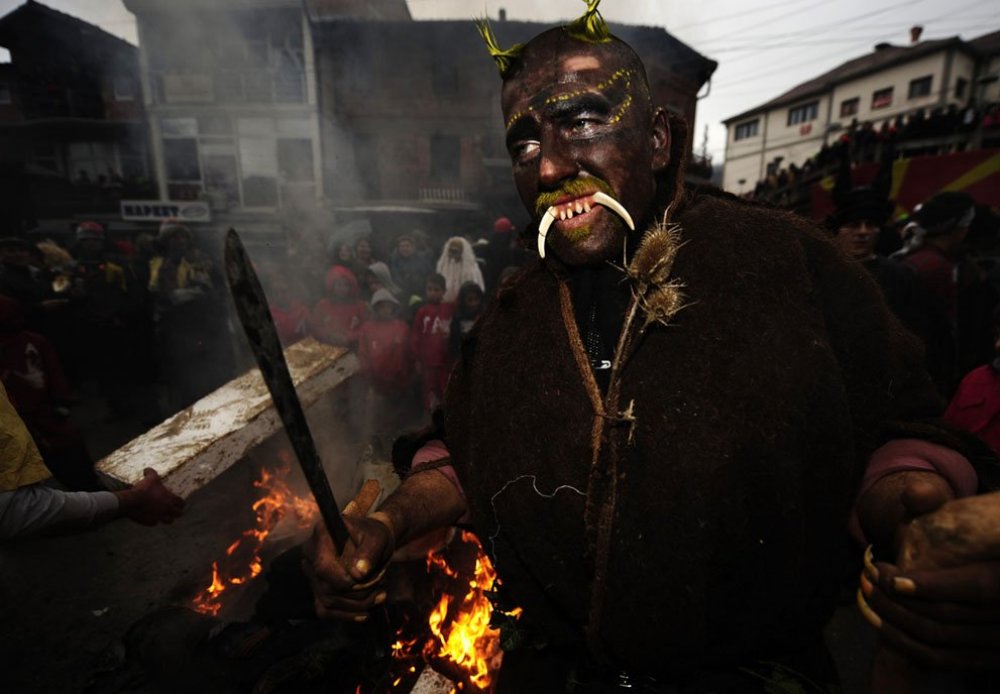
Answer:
(660, 140)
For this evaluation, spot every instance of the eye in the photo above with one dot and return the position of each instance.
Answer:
(583, 125)
(524, 150)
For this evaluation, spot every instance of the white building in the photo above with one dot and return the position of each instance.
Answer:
(886, 83)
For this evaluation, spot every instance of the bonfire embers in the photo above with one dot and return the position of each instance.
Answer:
(243, 561)
(453, 638)
(462, 645)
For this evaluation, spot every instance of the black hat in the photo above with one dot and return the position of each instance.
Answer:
(861, 204)
(946, 211)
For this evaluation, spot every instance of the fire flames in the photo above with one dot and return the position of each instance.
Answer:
(243, 561)
(460, 627)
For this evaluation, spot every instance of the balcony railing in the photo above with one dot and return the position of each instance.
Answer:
(232, 87)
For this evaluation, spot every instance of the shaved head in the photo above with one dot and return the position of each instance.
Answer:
(557, 55)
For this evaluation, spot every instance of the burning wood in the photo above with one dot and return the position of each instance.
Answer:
(462, 642)
(278, 503)
(197, 444)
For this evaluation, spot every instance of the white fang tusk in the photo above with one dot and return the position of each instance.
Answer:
(614, 206)
(543, 229)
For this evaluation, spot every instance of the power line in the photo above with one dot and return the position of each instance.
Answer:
(812, 42)
(771, 21)
(822, 29)
(757, 75)
(825, 26)
(734, 15)
(752, 76)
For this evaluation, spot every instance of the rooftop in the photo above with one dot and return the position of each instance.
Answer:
(884, 56)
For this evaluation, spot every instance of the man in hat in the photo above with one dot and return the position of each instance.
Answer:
(659, 429)
(194, 353)
(857, 224)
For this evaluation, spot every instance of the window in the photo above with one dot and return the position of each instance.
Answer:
(4, 93)
(803, 113)
(960, 85)
(445, 156)
(90, 161)
(222, 180)
(748, 129)
(882, 98)
(366, 162)
(295, 159)
(849, 107)
(180, 157)
(919, 87)
(4, 56)
(215, 126)
(132, 158)
(124, 89)
(178, 127)
(259, 164)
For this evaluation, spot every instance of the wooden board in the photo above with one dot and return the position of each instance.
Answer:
(200, 442)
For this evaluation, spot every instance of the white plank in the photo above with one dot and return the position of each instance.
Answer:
(197, 444)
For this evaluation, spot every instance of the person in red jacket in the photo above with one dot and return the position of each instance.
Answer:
(383, 350)
(337, 318)
(289, 313)
(34, 379)
(976, 405)
(429, 343)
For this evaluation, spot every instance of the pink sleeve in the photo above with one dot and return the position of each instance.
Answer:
(433, 451)
(903, 455)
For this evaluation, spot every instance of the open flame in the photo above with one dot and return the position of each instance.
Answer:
(243, 561)
(460, 627)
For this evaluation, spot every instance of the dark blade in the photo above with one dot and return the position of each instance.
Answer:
(251, 305)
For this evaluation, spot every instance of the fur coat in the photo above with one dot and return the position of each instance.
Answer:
(695, 513)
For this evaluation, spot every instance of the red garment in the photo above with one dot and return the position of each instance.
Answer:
(976, 405)
(937, 272)
(31, 373)
(342, 272)
(334, 320)
(383, 349)
(429, 344)
(429, 334)
(290, 322)
(337, 324)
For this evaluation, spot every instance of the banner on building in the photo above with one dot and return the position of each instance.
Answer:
(159, 210)
(918, 179)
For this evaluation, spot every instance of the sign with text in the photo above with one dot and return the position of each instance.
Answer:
(159, 210)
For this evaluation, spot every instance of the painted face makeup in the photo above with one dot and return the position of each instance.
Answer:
(580, 148)
(576, 199)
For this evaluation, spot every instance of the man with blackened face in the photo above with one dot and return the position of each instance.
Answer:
(660, 428)
(578, 123)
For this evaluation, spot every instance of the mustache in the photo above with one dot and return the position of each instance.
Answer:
(576, 188)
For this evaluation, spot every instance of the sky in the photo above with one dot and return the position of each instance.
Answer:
(763, 47)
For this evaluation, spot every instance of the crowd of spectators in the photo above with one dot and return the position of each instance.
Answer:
(404, 315)
(135, 321)
(867, 139)
(141, 326)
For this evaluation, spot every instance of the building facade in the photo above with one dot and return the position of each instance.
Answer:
(231, 99)
(72, 123)
(339, 111)
(891, 82)
(411, 116)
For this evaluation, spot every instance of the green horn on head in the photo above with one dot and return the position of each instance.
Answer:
(591, 27)
(503, 58)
